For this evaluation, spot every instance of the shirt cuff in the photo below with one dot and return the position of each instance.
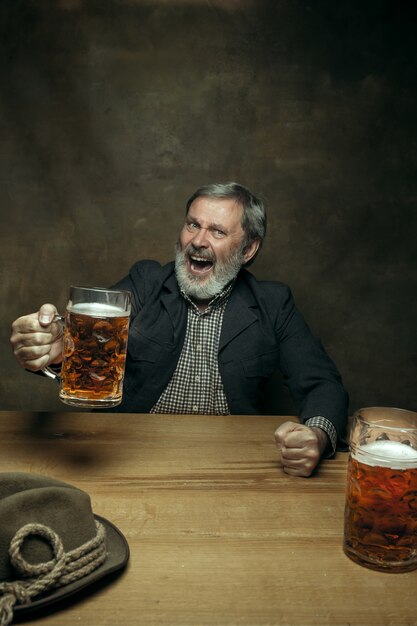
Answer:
(322, 422)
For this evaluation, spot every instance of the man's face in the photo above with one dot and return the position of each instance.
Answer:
(210, 247)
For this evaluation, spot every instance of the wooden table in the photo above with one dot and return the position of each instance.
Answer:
(218, 533)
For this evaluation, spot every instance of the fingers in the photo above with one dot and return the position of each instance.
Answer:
(300, 449)
(36, 339)
(300, 467)
(34, 360)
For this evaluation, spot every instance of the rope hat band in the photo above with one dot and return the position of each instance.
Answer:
(65, 567)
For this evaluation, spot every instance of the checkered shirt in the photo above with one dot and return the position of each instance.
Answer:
(196, 386)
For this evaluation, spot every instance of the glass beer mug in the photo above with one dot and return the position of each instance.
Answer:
(381, 499)
(96, 325)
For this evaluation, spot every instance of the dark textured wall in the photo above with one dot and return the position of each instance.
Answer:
(112, 112)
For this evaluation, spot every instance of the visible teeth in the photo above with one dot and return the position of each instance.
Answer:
(198, 258)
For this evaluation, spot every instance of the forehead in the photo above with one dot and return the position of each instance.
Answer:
(221, 211)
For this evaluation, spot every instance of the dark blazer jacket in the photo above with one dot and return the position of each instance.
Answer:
(262, 331)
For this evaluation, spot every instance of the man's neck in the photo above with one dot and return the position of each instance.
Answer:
(201, 304)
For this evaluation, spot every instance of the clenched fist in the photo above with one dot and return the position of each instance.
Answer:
(301, 447)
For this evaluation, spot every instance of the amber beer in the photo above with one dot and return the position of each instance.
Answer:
(95, 343)
(381, 506)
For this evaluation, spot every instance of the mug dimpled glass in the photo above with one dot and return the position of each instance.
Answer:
(96, 325)
(381, 500)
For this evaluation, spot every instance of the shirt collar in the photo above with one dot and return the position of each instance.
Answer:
(217, 301)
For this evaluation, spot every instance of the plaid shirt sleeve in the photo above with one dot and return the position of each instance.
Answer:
(329, 429)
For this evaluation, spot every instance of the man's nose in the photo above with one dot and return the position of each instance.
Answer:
(200, 239)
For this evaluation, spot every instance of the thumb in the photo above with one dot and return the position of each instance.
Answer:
(46, 314)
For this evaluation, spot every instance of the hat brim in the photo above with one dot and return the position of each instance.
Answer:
(117, 558)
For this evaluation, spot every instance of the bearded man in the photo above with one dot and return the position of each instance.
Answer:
(205, 335)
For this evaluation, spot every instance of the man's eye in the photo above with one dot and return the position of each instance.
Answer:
(192, 225)
(219, 233)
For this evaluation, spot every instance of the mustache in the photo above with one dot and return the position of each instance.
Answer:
(202, 253)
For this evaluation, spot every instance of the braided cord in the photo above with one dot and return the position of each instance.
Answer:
(63, 569)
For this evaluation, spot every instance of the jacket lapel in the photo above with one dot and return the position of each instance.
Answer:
(239, 314)
(174, 304)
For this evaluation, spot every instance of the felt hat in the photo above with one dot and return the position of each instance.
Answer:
(51, 544)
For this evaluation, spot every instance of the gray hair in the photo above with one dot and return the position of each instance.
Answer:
(254, 213)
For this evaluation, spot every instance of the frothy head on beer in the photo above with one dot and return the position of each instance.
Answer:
(96, 309)
(386, 453)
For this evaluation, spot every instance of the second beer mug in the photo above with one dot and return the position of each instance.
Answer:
(381, 499)
(96, 328)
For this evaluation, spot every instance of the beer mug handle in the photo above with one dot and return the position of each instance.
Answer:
(48, 371)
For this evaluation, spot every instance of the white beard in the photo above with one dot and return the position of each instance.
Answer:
(222, 273)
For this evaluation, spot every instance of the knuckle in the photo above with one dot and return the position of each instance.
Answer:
(38, 340)
(19, 322)
(32, 325)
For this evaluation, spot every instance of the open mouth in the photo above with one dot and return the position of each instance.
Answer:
(199, 265)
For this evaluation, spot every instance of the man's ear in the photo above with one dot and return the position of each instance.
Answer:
(251, 249)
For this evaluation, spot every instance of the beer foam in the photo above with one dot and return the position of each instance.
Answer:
(95, 309)
(385, 453)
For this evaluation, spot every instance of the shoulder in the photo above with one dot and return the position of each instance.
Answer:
(146, 279)
(149, 271)
(268, 290)
(272, 300)
(274, 303)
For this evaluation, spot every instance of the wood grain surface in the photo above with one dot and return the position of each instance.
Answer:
(218, 534)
